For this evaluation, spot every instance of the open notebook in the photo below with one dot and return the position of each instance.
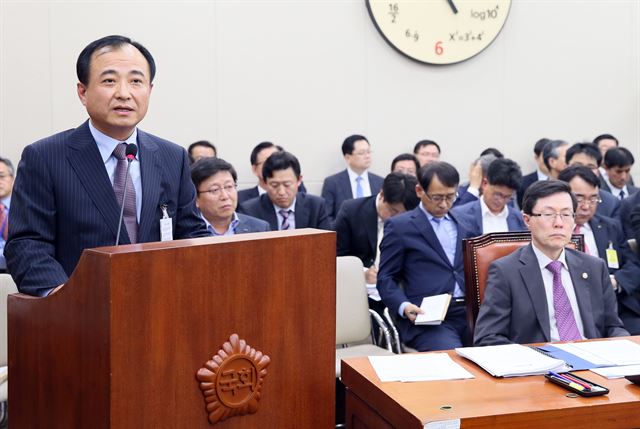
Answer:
(511, 360)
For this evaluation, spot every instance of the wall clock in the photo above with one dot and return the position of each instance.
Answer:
(439, 31)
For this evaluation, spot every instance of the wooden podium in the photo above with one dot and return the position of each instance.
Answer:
(119, 346)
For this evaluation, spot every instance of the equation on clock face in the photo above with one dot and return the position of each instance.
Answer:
(439, 31)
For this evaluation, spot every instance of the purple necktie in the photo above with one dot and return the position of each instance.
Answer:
(129, 216)
(565, 320)
(285, 219)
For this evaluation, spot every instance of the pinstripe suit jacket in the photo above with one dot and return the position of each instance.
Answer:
(63, 202)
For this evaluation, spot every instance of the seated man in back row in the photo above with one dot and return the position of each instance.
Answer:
(283, 207)
(420, 256)
(543, 291)
(491, 212)
(217, 198)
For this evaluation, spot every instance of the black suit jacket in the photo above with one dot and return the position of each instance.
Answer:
(609, 205)
(309, 211)
(63, 202)
(605, 231)
(337, 188)
(357, 229)
(624, 214)
(527, 181)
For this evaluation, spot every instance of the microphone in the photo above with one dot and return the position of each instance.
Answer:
(130, 153)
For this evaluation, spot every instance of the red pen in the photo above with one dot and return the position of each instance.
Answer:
(575, 380)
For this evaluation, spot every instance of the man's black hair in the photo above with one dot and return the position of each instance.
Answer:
(83, 65)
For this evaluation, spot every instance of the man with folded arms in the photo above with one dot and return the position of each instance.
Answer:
(543, 291)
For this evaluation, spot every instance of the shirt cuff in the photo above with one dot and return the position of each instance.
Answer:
(402, 307)
(474, 191)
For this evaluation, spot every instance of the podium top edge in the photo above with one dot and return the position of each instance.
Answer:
(204, 241)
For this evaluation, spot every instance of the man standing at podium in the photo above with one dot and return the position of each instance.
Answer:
(70, 187)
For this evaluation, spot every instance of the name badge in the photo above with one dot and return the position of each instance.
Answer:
(166, 225)
(612, 257)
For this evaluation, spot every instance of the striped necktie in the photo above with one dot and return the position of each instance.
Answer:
(120, 180)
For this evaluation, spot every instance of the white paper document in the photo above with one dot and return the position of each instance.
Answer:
(605, 353)
(617, 371)
(511, 360)
(435, 308)
(418, 367)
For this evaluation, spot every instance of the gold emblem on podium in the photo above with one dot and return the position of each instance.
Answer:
(231, 382)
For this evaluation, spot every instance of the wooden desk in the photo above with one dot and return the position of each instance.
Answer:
(485, 401)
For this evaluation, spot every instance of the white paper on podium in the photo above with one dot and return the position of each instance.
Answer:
(418, 367)
(610, 353)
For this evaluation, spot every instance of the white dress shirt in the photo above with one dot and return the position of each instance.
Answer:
(547, 278)
(492, 222)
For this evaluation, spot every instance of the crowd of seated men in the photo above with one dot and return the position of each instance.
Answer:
(407, 228)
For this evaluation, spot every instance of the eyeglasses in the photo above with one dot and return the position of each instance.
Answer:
(550, 217)
(215, 192)
(594, 199)
(501, 196)
(438, 198)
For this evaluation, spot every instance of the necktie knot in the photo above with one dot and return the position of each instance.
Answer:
(577, 229)
(120, 151)
(285, 213)
(555, 267)
(622, 194)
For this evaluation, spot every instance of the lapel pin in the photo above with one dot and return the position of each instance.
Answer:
(585, 276)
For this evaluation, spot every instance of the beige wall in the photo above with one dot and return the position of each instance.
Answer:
(306, 73)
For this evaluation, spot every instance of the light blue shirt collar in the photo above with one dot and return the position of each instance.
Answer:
(107, 144)
(431, 217)
(230, 231)
(7, 202)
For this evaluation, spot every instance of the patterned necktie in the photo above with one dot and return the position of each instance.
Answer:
(359, 190)
(621, 195)
(565, 320)
(4, 222)
(285, 219)
(577, 230)
(121, 177)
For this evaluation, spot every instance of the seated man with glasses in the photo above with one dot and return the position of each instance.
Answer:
(492, 212)
(604, 239)
(283, 207)
(420, 256)
(216, 185)
(543, 291)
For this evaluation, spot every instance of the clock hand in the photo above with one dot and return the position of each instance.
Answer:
(453, 6)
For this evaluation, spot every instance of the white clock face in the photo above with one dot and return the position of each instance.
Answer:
(439, 31)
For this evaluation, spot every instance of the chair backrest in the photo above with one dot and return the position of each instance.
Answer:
(479, 252)
(7, 286)
(352, 308)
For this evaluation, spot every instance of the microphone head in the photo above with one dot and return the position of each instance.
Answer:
(131, 151)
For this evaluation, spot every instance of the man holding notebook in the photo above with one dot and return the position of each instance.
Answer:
(421, 256)
(545, 292)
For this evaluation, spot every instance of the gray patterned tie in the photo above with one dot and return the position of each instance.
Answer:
(120, 177)
(285, 219)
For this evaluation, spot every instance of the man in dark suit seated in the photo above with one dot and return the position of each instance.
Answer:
(588, 155)
(405, 163)
(543, 291)
(70, 186)
(427, 151)
(283, 207)
(355, 181)
(617, 164)
(421, 255)
(359, 224)
(541, 173)
(492, 213)
(216, 185)
(201, 149)
(604, 239)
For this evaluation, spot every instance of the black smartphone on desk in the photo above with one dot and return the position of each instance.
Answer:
(576, 384)
(635, 379)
